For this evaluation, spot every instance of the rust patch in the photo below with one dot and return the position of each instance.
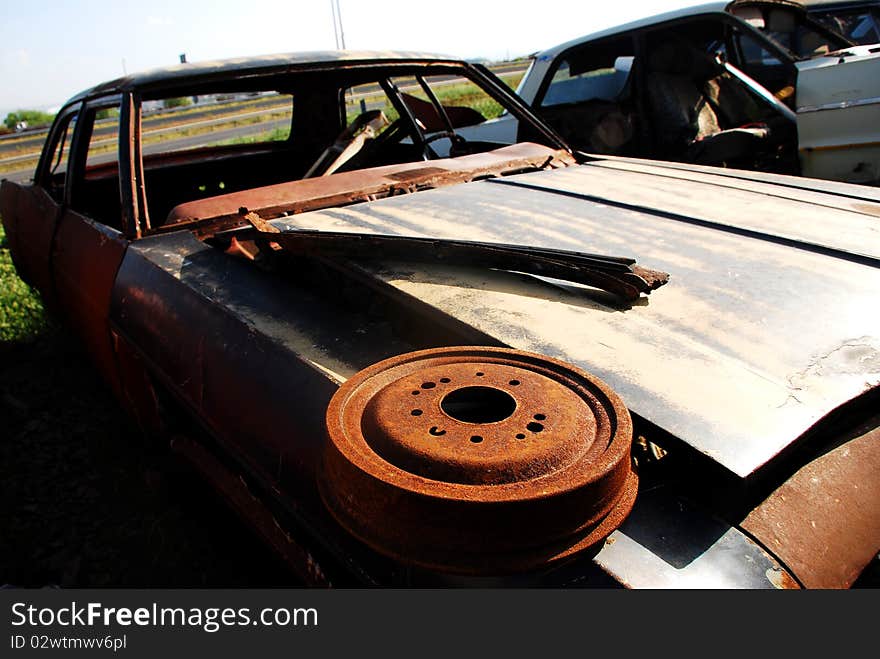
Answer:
(417, 174)
(781, 579)
(257, 222)
(478, 460)
(345, 188)
(824, 522)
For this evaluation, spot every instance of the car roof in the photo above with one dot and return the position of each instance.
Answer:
(181, 74)
(684, 12)
(819, 4)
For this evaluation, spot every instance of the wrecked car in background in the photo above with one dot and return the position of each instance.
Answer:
(404, 369)
(753, 84)
(857, 20)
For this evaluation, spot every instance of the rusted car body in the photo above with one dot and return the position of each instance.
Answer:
(264, 320)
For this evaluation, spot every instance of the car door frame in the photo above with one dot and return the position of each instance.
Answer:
(31, 211)
(86, 252)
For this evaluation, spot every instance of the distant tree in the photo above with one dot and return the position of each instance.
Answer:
(178, 102)
(33, 118)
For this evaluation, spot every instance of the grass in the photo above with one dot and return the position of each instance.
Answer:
(233, 110)
(108, 143)
(22, 317)
(274, 135)
(225, 107)
(232, 123)
(470, 96)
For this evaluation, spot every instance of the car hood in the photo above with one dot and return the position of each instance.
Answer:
(769, 321)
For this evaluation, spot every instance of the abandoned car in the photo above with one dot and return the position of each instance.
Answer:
(857, 20)
(754, 84)
(512, 365)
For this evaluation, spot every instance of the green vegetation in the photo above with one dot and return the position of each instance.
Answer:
(21, 313)
(513, 79)
(106, 113)
(33, 118)
(225, 107)
(179, 102)
(469, 95)
(232, 123)
(275, 135)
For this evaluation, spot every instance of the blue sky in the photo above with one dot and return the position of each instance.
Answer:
(52, 49)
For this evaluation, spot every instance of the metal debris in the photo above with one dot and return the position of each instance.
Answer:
(478, 460)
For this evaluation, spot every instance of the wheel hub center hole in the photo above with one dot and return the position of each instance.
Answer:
(478, 404)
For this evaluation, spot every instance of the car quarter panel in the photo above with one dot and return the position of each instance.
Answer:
(255, 356)
(258, 356)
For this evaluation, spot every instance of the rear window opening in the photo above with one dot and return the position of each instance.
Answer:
(216, 142)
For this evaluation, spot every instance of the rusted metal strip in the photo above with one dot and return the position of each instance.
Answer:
(614, 274)
(345, 188)
(258, 222)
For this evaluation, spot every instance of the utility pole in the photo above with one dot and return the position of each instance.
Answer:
(338, 32)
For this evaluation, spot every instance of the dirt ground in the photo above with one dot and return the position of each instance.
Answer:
(86, 501)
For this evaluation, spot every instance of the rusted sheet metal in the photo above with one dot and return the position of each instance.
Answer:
(302, 346)
(226, 371)
(139, 394)
(256, 357)
(349, 187)
(711, 357)
(9, 202)
(260, 343)
(86, 255)
(824, 522)
(30, 216)
(238, 496)
(478, 460)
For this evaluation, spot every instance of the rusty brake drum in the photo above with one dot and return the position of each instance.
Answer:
(477, 460)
